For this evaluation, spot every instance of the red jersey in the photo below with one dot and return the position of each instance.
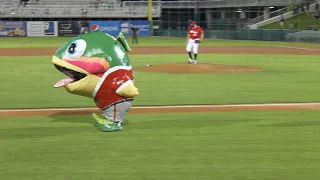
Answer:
(111, 82)
(195, 32)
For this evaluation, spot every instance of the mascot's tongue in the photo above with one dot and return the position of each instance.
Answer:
(64, 82)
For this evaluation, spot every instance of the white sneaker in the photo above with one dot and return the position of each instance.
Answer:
(195, 62)
(190, 61)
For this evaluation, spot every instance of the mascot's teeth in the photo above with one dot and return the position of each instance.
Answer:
(64, 82)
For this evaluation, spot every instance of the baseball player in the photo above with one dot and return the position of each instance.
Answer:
(135, 31)
(195, 36)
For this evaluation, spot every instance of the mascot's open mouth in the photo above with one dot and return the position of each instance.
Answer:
(73, 76)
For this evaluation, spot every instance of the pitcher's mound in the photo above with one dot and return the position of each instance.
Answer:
(197, 68)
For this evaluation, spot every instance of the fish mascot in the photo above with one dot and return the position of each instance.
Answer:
(97, 66)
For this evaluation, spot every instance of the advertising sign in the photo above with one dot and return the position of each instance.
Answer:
(42, 28)
(72, 28)
(48, 28)
(110, 27)
(12, 28)
(142, 25)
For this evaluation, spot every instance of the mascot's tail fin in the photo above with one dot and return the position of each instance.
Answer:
(123, 42)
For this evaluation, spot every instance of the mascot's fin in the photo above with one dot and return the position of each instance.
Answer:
(129, 90)
(123, 42)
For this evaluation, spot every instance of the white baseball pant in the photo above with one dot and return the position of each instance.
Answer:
(192, 45)
(117, 112)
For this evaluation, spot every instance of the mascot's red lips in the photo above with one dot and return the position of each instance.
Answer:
(93, 65)
(90, 67)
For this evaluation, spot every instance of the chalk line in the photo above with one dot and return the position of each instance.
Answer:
(168, 107)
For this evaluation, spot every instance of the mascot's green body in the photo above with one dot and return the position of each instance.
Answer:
(98, 67)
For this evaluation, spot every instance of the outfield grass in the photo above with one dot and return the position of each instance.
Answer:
(16, 42)
(28, 82)
(177, 146)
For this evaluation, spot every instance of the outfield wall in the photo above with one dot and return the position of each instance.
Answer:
(71, 28)
(241, 34)
(75, 28)
(258, 35)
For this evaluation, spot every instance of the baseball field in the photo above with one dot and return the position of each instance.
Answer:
(249, 110)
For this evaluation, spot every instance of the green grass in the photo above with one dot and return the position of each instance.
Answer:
(182, 146)
(302, 21)
(179, 146)
(18, 42)
(285, 78)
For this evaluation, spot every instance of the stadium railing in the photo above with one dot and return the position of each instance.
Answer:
(257, 22)
(212, 3)
(277, 12)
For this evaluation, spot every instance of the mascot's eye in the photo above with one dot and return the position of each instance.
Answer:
(76, 49)
(71, 48)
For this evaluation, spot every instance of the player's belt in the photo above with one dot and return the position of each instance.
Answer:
(118, 102)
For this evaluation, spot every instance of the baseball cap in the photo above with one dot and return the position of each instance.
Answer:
(192, 22)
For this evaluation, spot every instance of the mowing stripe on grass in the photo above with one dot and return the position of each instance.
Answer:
(165, 109)
(302, 48)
